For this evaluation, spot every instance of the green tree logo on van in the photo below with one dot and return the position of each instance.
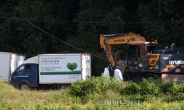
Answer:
(71, 66)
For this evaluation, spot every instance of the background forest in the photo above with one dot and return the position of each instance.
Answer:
(34, 27)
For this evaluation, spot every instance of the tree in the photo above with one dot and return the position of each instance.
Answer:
(54, 17)
(7, 26)
(161, 21)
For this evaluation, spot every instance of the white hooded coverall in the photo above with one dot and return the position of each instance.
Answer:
(118, 74)
(106, 73)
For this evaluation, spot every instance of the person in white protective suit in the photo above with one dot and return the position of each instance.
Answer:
(106, 72)
(117, 74)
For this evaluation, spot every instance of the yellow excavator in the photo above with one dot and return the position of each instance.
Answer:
(142, 59)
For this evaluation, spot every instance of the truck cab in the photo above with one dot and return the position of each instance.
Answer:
(26, 75)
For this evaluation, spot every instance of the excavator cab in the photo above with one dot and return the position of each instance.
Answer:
(138, 55)
(139, 59)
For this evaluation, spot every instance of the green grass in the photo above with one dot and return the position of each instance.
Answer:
(97, 94)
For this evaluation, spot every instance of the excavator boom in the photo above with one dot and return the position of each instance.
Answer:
(119, 39)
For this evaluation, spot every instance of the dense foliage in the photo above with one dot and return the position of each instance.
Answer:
(34, 27)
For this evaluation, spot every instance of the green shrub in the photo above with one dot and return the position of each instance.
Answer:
(145, 87)
(114, 85)
(175, 88)
(149, 87)
(172, 98)
(130, 88)
(140, 98)
(164, 86)
(96, 85)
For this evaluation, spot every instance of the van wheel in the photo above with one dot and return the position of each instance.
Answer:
(24, 86)
(151, 78)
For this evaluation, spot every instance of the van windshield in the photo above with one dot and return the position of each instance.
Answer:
(23, 67)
